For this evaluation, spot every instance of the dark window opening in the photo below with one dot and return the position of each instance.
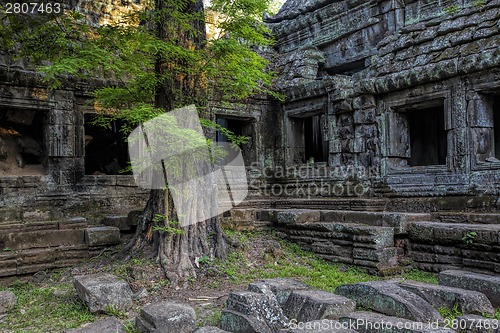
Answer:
(428, 137)
(106, 150)
(22, 149)
(240, 127)
(316, 148)
(496, 125)
(349, 68)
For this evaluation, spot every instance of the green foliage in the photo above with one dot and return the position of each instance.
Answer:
(44, 309)
(205, 260)
(496, 315)
(168, 227)
(114, 311)
(130, 327)
(421, 276)
(450, 314)
(469, 237)
(212, 319)
(479, 3)
(453, 9)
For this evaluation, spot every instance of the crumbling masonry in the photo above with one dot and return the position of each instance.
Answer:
(385, 153)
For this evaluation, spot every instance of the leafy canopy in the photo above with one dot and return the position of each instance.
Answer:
(122, 58)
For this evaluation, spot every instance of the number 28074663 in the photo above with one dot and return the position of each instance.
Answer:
(33, 8)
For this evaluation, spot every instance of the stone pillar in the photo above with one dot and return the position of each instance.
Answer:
(65, 139)
(480, 118)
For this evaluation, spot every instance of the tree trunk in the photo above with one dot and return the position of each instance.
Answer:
(177, 252)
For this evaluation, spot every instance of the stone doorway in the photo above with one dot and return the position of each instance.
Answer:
(496, 125)
(428, 137)
(106, 150)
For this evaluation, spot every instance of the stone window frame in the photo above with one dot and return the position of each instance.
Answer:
(483, 101)
(42, 107)
(403, 105)
(303, 110)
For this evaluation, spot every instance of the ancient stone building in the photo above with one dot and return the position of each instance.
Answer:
(391, 119)
(385, 152)
(59, 173)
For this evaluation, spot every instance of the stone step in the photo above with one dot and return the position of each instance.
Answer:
(119, 221)
(310, 305)
(19, 226)
(396, 220)
(474, 218)
(453, 233)
(486, 284)
(390, 299)
(467, 301)
(371, 322)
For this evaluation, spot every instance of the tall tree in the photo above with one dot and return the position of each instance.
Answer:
(158, 59)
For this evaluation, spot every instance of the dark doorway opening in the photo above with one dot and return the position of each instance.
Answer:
(22, 149)
(428, 137)
(496, 125)
(316, 148)
(106, 150)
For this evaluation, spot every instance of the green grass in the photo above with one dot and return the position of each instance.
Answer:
(38, 309)
(421, 276)
(450, 314)
(293, 263)
(303, 265)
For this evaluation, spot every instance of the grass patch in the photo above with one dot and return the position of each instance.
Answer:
(450, 314)
(44, 309)
(211, 319)
(420, 276)
(294, 262)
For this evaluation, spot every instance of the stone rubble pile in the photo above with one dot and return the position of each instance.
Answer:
(289, 306)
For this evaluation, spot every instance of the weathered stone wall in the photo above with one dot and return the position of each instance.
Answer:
(387, 78)
(368, 68)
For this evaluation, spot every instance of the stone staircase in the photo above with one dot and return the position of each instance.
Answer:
(383, 241)
(28, 247)
(367, 307)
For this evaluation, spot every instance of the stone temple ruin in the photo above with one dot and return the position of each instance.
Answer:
(385, 152)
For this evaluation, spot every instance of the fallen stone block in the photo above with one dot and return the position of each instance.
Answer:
(390, 299)
(298, 216)
(106, 325)
(320, 326)
(282, 288)
(100, 291)
(476, 324)
(166, 317)
(467, 301)
(310, 305)
(117, 221)
(487, 284)
(371, 322)
(7, 301)
(263, 306)
(102, 236)
(210, 329)
(237, 322)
